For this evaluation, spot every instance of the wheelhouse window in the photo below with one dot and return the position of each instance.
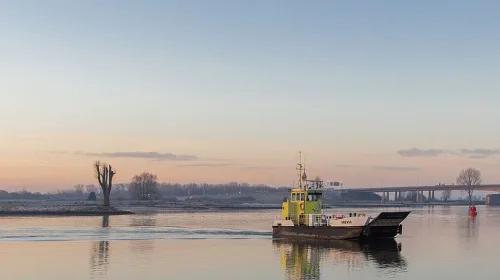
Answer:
(314, 196)
(298, 196)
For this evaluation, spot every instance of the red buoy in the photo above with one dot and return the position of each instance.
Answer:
(472, 211)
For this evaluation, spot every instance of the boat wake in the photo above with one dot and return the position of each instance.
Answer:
(131, 233)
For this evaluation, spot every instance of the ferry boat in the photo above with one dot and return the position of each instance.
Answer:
(303, 218)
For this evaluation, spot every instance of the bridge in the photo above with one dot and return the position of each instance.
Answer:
(386, 191)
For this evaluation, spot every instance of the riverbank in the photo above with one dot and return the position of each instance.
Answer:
(192, 204)
(84, 208)
(196, 205)
(57, 209)
(400, 204)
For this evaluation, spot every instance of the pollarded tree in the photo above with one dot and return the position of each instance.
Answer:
(469, 178)
(104, 174)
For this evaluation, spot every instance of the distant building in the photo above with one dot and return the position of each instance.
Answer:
(493, 199)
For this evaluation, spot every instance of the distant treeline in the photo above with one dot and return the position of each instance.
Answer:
(23, 194)
(122, 191)
(169, 190)
(174, 189)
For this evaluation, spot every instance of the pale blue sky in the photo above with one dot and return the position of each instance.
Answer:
(364, 76)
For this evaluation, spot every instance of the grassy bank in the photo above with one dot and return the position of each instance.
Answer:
(30, 208)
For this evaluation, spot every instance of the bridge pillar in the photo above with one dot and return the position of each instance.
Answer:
(429, 197)
(433, 195)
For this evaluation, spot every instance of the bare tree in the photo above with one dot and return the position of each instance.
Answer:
(446, 195)
(79, 189)
(469, 178)
(104, 174)
(143, 186)
(90, 188)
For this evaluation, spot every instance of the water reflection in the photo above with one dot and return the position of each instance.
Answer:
(99, 255)
(105, 221)
(143, 246)
(469, 231)
(385, 255)
(143, 221)
(99, 258)
(302, 259)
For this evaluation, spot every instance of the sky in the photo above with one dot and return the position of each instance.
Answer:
(374, 93)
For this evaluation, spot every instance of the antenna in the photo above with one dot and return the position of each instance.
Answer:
(304, 164)
(299, 168)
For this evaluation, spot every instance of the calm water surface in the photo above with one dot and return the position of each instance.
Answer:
(437, 242)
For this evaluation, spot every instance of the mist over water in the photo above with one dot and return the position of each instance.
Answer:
(437, 242)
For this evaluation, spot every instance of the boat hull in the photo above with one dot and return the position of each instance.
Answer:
(385, 225)
(317, 232)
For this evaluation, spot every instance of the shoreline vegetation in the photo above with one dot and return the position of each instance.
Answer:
(81, 208)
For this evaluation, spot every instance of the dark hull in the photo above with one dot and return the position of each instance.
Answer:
(385, 225)
(323, 232)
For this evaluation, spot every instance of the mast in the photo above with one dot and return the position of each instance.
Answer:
(302, 171)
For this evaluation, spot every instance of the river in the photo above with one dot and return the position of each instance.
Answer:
(437, 242)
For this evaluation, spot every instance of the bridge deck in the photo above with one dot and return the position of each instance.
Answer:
(491, 187)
